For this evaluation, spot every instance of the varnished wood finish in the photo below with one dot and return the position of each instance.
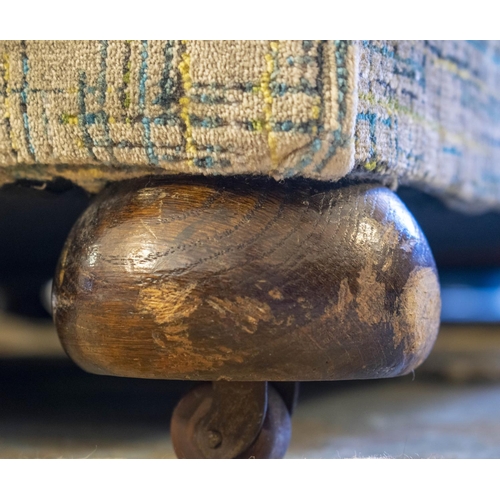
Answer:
(213, 279)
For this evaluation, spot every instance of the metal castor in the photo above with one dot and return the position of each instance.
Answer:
(231, 420)
(244, 282)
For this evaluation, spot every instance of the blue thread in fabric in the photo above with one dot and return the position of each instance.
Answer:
(149, 145)
(89, 119)
(338, 139)
(302, 164)
(278, 89)
(205, 162)
(496, 54)
(396, 138)
(82, 112)
(480, 45)
(462, 64)
(386, 121)
(101, 116)
(417, 73)
(307, 45)
(24, 101)
(452, 151)
(166, 98)
(371, 118)
(491, 141)
(101, 79)
(143, 76)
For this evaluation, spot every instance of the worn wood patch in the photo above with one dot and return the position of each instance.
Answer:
(229, 279)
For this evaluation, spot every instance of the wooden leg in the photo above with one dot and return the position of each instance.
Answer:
(232, 280)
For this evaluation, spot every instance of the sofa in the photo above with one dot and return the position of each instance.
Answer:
(244, 231)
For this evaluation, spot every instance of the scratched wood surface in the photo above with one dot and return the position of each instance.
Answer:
(462, 352)
(52, 409)
(225, 279)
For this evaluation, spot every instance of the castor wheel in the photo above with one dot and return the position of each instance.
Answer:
(231, 420)
(245, 283)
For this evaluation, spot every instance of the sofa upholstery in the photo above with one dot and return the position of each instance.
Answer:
(421, 113)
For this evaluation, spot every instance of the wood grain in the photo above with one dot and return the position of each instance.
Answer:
(212, 279)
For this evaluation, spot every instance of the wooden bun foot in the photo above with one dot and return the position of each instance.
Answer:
(245, 281)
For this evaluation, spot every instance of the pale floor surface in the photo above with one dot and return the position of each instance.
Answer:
(51, 409)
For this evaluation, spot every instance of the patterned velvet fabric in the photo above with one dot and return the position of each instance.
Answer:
(101, 110)
(429, 116)
(421, 113)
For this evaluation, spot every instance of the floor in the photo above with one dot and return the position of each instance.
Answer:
(51, 409)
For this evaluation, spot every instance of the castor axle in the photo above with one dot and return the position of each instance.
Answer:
(231, 420)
